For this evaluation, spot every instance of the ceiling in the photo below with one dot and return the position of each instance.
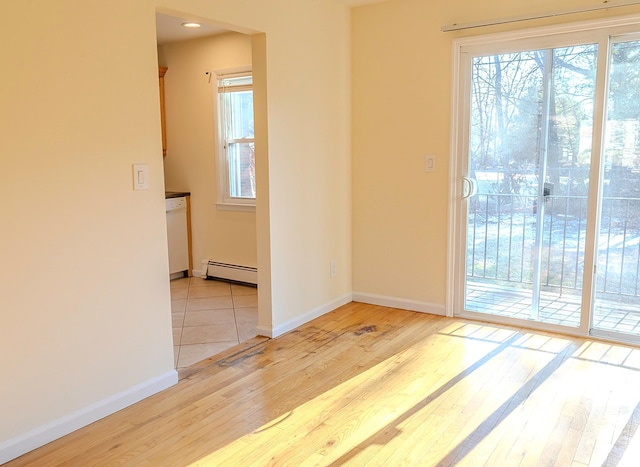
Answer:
(170, 29)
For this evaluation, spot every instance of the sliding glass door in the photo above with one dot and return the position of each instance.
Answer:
(531, 116)
(546, 218)
(617, 292)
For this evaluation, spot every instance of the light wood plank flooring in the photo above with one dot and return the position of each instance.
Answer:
(368, 385)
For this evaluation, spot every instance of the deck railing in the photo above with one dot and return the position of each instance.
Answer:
(501, 241)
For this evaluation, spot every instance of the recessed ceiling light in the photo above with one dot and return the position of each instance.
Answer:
(191, 25)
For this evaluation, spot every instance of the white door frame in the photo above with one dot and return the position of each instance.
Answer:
(595, 31)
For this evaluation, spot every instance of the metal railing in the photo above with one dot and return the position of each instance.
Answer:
(501, 242)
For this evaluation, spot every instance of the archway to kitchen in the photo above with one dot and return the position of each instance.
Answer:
(210, 315)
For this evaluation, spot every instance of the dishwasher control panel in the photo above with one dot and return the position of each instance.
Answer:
(172, 204)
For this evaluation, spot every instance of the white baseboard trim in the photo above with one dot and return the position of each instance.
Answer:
(401, 303)
(264, 331)
(280, 329)
(44, 434)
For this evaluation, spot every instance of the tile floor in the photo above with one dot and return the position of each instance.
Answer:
(210, 316)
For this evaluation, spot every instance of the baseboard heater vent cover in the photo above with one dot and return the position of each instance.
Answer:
(229, 272)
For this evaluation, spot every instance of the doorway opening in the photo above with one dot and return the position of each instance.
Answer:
(209, 314)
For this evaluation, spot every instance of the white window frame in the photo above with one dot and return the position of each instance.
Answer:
(224, 199)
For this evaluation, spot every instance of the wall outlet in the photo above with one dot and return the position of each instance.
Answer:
(332, 268)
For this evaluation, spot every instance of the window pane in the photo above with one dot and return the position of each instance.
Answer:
(239, 114)
(242, 170)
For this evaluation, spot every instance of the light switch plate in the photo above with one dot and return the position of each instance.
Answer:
(429, 163)
(140, 177)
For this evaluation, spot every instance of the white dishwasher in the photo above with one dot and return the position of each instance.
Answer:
(177, 235)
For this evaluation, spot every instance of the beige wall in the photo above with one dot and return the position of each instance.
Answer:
(190, 165)
(401, 112)
(84, 306)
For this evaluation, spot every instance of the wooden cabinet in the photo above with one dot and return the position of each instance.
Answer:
(161, 71)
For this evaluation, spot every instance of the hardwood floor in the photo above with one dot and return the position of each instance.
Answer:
(368, 385)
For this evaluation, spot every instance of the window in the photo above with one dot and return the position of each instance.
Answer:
(236, 168)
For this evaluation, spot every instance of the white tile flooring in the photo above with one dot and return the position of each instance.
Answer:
(210, 316)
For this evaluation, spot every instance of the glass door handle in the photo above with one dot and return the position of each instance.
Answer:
(469, 187)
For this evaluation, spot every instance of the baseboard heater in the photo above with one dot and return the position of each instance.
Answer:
(229, 272)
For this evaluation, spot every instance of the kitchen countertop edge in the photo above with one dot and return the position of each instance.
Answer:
(176, 194)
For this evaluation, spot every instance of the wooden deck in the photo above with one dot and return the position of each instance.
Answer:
(562, 309)
(368, 385)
